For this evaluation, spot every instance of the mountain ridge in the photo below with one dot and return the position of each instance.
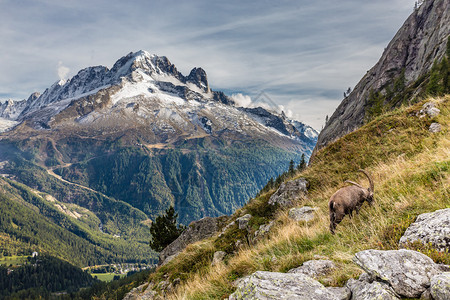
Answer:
(131, 76)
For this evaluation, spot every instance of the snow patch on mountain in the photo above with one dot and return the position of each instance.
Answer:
(6, 125)
(311, 133)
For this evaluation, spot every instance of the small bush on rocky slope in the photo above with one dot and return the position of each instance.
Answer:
(410, 167)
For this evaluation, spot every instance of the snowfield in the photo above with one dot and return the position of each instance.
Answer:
(6, 125)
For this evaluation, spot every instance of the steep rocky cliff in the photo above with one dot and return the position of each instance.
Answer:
(420, 41)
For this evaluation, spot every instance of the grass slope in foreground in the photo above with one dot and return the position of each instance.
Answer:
(411, 170)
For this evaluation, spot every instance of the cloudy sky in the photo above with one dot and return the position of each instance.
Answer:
(302, 54)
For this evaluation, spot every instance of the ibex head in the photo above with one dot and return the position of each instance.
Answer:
(370, 189)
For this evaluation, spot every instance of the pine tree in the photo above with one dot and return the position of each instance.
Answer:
(433, 87)
(302, 165)
(271, 183)
(164, 230)
(291, 167)
(445, 71)
(448, 48)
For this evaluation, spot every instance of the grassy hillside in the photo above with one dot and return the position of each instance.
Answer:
(411, 171)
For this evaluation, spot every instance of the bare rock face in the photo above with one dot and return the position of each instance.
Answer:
(289, 192)
(362, 290)
(302, 214)
(272, 285)
(196, 231)
(431, 228)
(440, 286)
(420, 41)
(408, 272)
(365, 277)
(315, 268)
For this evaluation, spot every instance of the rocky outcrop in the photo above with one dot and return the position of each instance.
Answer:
(271, 285)
(429, 228)
(270, 120)
(408, 272)
(440, 286)
(315, 268)
(262, 231)
(289, 192)
(419, 42)
(389, 275)
(199, 78)
(218, 257)
(362, 290)
(429, 109)
(243, 221)
(435, 127)
(196, 231)
(302, 214)
(142, 292)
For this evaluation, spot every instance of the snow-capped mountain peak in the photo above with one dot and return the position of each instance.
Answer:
(143, 89)
(150, 64)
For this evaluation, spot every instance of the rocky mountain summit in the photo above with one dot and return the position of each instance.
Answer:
(147, 90)
(417, 45)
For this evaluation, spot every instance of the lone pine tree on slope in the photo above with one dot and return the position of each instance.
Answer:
(164, 230)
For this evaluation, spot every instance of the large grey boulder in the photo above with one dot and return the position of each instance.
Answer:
(315, 268)
(408, 272)
(363, 290)
(196, 231)
(435, 127)
(289, 192)
(302, 214)
(440, 286)
(243, 221)
(271, 285)
(431, 228)
(365, 277)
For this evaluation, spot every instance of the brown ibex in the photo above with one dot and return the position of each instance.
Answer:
(347, 199)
